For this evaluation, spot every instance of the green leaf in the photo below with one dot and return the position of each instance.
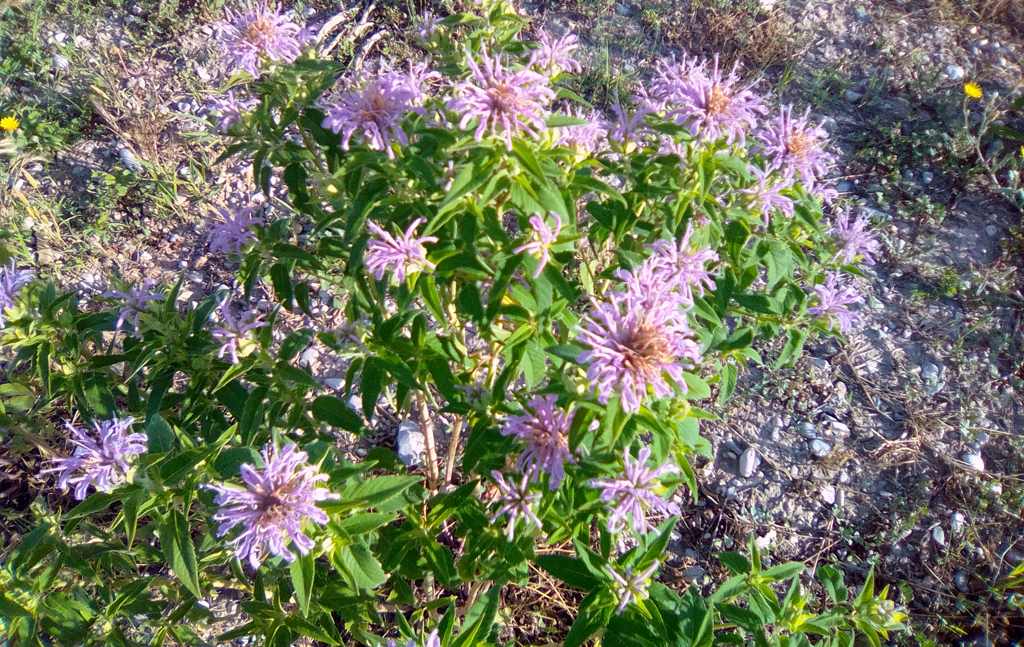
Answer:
(280, 275)
(376, 491)
(179, 551)
(362, 522)
(727, 384)
(794, 346)
(570, 570)
(159, 434)
(589, 620)
(303, 572)
(337, 413)
(735, 562)
(732, 587)
(696, 387)
(371, 384)
(784, 571)
(361, 567)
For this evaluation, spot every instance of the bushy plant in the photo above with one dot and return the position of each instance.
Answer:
(539, 296)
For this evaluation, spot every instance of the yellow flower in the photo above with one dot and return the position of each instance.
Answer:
(9, 124)
(972, 90)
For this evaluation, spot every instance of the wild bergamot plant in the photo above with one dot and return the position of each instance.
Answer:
(547, 293)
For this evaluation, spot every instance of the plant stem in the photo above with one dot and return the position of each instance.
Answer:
(427, 425)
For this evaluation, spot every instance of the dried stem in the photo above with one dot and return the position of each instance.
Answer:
(427, 425)
(453, 447)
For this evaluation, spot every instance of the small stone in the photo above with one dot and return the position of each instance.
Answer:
(819, 448)
(748, 462)
(129, 160)
(955, 72)
(853, 96)
(957, 522)
(807, 430)
(828, 494)
(60, 63)
(693, 573)
(333, 382)
(411, 443)
(961, 582)
(975, 461)
(939, 535)
(991, 230)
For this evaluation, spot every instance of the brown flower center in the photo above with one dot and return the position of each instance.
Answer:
(718, 100)
(799, 143)
(260, 32)
(646, 351)
(503, 99)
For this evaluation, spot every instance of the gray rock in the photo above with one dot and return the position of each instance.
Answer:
(129, 160)
(807, 430)
(828, 494)
(962, 582)
(749, 461)
(60, 63)
(819, 448)
(974, 461)
(939, 535)
(411, 443)
(957, 522)
(955, 72)
(853, 96)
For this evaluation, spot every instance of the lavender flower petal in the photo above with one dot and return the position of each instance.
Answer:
(544, 428)
(102, 458)
(634, 496)
(398, 255)
(259, 31)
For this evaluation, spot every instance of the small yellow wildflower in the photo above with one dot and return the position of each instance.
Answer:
(972, 90)
(9, 124)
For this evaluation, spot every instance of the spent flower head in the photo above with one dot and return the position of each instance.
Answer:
(259, 31)
(270, 508)
(541, 240)
(230, 108)
(12, 280)
(835, 296)
(400, 255)
(102, 457)
(515, 502)
(502, 101)
(544, 428)
(634, 495)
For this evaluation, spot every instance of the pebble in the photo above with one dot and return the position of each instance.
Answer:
(991, 230)
(961, 582)
(955, 72)
(939, 535)
(819, 448)
(333, 382)
(828, 494)
(60, 63)
(748, 462)
(975, 461)
(853, 96)
(129, 160)
(957, 522)
(806, 430)
(411, 443)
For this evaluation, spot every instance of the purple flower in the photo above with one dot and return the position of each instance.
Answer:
(272, 506)
(636, 339)
(677, 267)
(502, 101)
(795, 145)
(634, 495)
(713, 104)
(11, 281)
(541, 240)
(834, 298)
(672, 79)
(101, 459)
(135, 300)
(767, 194)
(556, 54)
(234, 230)
(516, 502)
(233, 331)
(375, 109)
(629, 587)
(586, 137)
(855, 238)
(628, 125)
(427, 25)
(259, 31)
(230, 109)
(545, 430)
(401, 255)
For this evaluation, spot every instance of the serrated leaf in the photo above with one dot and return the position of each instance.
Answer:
(179, 551)
(303, 572)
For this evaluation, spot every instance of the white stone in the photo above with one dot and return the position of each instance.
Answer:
(957, 522)
(748, 462)
(820, 449)
(939, 535)
(975, 461)
(411, 443)
(828, 494)
(955, 72)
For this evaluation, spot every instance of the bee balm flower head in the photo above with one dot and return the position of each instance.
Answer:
(102, 458)
(259, 32)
